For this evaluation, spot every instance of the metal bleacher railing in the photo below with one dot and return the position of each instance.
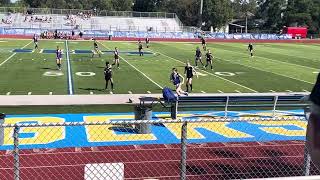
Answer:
(140, 146)
(98, 13)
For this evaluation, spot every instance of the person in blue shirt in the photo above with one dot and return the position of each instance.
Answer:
(177, 81)
(58, 57)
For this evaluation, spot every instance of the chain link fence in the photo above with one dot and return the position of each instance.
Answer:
(189, 148)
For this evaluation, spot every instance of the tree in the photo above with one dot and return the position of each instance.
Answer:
(271, 12)
(122, 5)
(217, 13)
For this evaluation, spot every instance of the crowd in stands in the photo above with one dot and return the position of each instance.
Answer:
(35, 18)
(60, 35)
(8, 19)
(85, 15)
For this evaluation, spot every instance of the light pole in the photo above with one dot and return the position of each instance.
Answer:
(200, 16)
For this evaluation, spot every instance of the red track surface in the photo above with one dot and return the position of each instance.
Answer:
(214, 161)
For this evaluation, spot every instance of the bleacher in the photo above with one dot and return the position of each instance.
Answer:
(107, 23)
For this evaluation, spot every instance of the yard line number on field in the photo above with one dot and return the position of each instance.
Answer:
(209, 73)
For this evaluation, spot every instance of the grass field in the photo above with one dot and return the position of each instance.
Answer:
(275, 68)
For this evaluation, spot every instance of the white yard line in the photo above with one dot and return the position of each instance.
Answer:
(91, 93)
(148, 92)
(70, 84)
(220, 91)
(29, 93)
(203, 92)
(208, 73)
(135, 68)
(274, 60)
(14, 54)
(234, 62)
(289, 91)
(272, 91)
(50, 93)
(8, 93)
(130, 92)
(237, 91)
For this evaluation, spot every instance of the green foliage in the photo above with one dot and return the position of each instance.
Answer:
(217, 13)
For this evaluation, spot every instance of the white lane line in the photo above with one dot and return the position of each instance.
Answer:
(129, 92)
(237, 91)
(50, 93)
(91, 92)
(135, 68)
(70, 89)
(271, 90)
(8, 93)
(305, 90)
(289, 91)
(148, 92)
(29, 93)
(208, 72)
(220, 91)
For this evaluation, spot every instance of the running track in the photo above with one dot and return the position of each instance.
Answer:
(205, 161)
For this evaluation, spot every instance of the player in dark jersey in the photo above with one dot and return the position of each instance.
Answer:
(198, 57)
(147, 42)
(108, 76)
(204, 44)
(140, 48)
(250, 49)
(177, 81)
(35, 41)
(96, 49)
(58, 57)
(189, 72)
(116, 58)
(209, 58)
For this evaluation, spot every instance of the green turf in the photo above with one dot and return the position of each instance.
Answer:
(275, 67)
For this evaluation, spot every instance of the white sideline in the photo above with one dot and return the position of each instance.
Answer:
(135, 68)
(56, 100)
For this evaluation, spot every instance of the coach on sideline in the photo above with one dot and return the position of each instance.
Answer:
(313, 129)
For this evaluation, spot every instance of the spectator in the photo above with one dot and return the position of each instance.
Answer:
(313, 129)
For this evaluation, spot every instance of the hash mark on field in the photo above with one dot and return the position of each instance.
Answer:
(305, 90)
(289, 91)
(148, 92)
(272, 91)
(29, 93)
(129, 92)
(8, 93)
(220, 91)
(203, 92)
(237, 91)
